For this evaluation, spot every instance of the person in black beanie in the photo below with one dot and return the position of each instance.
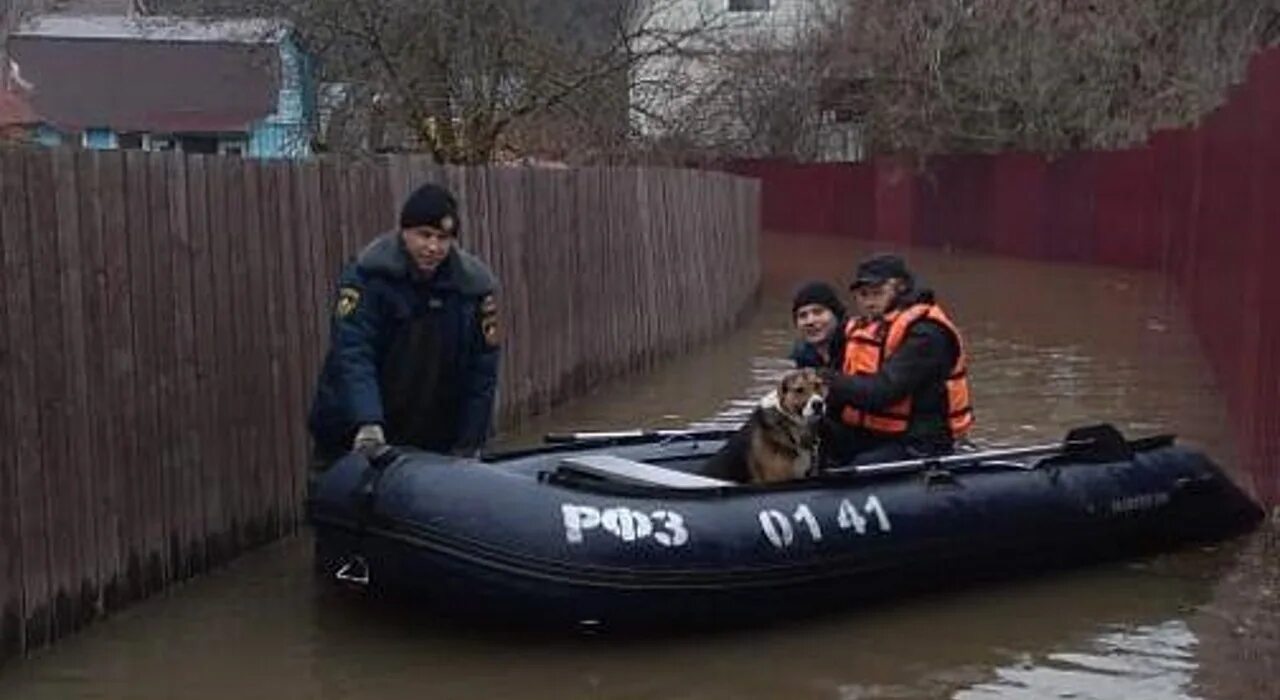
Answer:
(414, 342)
(819, 317)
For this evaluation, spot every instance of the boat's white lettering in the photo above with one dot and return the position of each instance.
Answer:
(804, 516)
(777, 528)
(578, 519)
(781, 531)
(664, 527)
(1142, 501)
(849, 517)
(875, 508)
(675, 534)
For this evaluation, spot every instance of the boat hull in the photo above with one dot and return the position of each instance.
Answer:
(515, 540)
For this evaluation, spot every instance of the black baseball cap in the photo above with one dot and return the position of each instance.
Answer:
(880, 268)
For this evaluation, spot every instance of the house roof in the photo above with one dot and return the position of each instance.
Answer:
(148, 28)
(14, 110)
(94, 7)
(132, 74)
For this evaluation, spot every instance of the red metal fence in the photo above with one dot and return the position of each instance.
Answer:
(1200, 205)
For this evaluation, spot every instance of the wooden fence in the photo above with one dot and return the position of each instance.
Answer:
(163, 319)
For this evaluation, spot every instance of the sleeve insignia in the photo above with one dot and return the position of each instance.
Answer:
(489, 321)
(348, 301)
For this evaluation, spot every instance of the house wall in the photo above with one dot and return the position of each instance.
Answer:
(101, 139)
(664, 87)
(286, 132)
(47, 136)
(268, 140)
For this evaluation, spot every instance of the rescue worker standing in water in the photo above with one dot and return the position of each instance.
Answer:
(903, 391)
(413, 356)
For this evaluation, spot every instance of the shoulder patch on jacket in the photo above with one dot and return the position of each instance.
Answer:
(489, 321)
(348, 302)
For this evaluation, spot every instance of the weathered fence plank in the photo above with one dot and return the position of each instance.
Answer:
(75, 418)
(14, 414)
(51, 390)
(148, 470)
(260, 430)
(225, 441)
(207, 472)
(30, 452)
(119, 372)
(169, 414)
(102, 509)
(287, 345)
(188, 512)
(241, 390)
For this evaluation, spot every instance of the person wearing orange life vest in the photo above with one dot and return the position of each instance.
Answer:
(902, 392)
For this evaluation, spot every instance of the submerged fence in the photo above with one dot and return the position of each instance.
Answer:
(163, 319)
(1199, 205)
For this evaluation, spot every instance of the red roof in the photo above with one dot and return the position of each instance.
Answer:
(14, 110)
(129, 84)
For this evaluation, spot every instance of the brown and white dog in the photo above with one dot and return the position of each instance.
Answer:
(779, 441)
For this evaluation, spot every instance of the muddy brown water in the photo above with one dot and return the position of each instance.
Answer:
(1052, 346)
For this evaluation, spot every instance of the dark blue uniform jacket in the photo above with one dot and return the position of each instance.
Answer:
(418, 356)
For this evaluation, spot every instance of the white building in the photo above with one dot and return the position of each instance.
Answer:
(732, 53)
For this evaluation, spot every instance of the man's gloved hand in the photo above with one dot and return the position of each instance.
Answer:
(372, 443)
(369, 439)
(837, 384)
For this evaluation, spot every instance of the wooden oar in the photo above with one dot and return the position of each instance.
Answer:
(959, 460)
(634, 434)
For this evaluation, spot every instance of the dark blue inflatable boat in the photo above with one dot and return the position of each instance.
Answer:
(621, 530)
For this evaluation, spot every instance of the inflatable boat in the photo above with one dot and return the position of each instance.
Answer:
(621, 530)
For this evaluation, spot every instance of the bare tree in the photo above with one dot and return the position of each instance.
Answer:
(468, 80)
(14, 13)
(943, 75)
(473, 80)
(929, 76)
(751, 88)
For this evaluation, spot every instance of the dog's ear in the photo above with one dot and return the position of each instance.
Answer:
(785, 383)
(820, 383)
(771, 400)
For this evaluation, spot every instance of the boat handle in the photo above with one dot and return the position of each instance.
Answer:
(354, 571)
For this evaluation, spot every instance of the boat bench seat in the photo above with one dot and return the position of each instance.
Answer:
(633, 472)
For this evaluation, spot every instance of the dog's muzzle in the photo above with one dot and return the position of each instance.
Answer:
(814, 408)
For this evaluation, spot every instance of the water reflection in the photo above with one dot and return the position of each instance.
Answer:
(1149, 661)
(264, 629)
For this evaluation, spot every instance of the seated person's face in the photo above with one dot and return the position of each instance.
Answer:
(875, 299)
(816, 323)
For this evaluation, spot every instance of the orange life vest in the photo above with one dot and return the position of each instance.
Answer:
(872, 342)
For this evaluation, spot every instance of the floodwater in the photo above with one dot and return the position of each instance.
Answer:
(1052, 347)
